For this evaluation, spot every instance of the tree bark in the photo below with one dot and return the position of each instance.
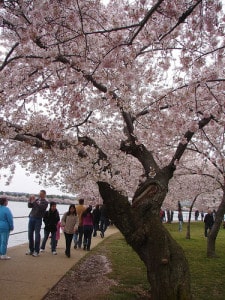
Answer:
(167, 267)
(211, 241)
(188, 233)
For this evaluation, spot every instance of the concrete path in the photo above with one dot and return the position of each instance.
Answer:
(26, 277)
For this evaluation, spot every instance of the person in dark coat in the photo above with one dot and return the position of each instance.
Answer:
(209, 221)
(196, 215)
(96, 219)
(51, 218)
(104, 220)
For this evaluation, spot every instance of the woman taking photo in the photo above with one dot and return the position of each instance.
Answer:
(68, 223)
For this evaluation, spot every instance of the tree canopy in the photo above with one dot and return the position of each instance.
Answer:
(109, 91)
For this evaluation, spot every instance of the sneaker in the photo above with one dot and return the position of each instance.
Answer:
(35, 254)
(29, 252)
(102, 235)
(54, 252)
(5, 257)
(42, 250)
(75, 246)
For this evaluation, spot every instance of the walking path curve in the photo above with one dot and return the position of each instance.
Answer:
(25, 277)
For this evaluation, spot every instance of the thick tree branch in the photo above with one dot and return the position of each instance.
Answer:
(145, 20)
(188, 136)
(182, 18)
(6, 60)
(144, 156)
(87, 141)
(118, 208)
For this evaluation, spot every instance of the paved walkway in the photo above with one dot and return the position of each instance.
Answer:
(26, 277)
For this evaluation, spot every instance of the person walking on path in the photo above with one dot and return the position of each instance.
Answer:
(6, 225)
(87, 219)
(96, 219)
(39, 207)
(51, 218)
(209, 221)
(104, 220)
(80, 208)
(68, 223)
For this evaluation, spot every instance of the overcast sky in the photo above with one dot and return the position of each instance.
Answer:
(27, 184)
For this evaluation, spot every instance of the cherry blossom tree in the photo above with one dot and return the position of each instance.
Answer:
(212, 149)
(201, 191)
(113, 94)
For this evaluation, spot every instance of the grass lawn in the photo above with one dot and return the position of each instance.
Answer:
(207, 275)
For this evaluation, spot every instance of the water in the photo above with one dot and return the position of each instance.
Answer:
(20, 209)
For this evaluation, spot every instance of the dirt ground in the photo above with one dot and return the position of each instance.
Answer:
(86, 280)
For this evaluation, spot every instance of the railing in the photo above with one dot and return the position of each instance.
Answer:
(23, 217)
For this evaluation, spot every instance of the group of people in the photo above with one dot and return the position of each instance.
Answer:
(78, 224)
(197, 213)
(208, 219)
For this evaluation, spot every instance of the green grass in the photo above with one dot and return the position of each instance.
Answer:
(207, 275)
(127, 270)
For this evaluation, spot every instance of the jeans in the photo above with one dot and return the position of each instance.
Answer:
(88, 229)
(75, 238)
(68, 238)
(53, 240)
(34, 226)
(80, 236)
(104, 223)
(96, 228)
(4, 236)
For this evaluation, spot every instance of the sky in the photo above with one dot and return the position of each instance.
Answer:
(22, 183)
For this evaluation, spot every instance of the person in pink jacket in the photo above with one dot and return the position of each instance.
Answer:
(87, 221)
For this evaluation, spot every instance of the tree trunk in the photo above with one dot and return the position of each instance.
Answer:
(167, 267)
(211, 241)
(188, 233)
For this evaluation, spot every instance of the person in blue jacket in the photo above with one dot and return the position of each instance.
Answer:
(6, 225)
